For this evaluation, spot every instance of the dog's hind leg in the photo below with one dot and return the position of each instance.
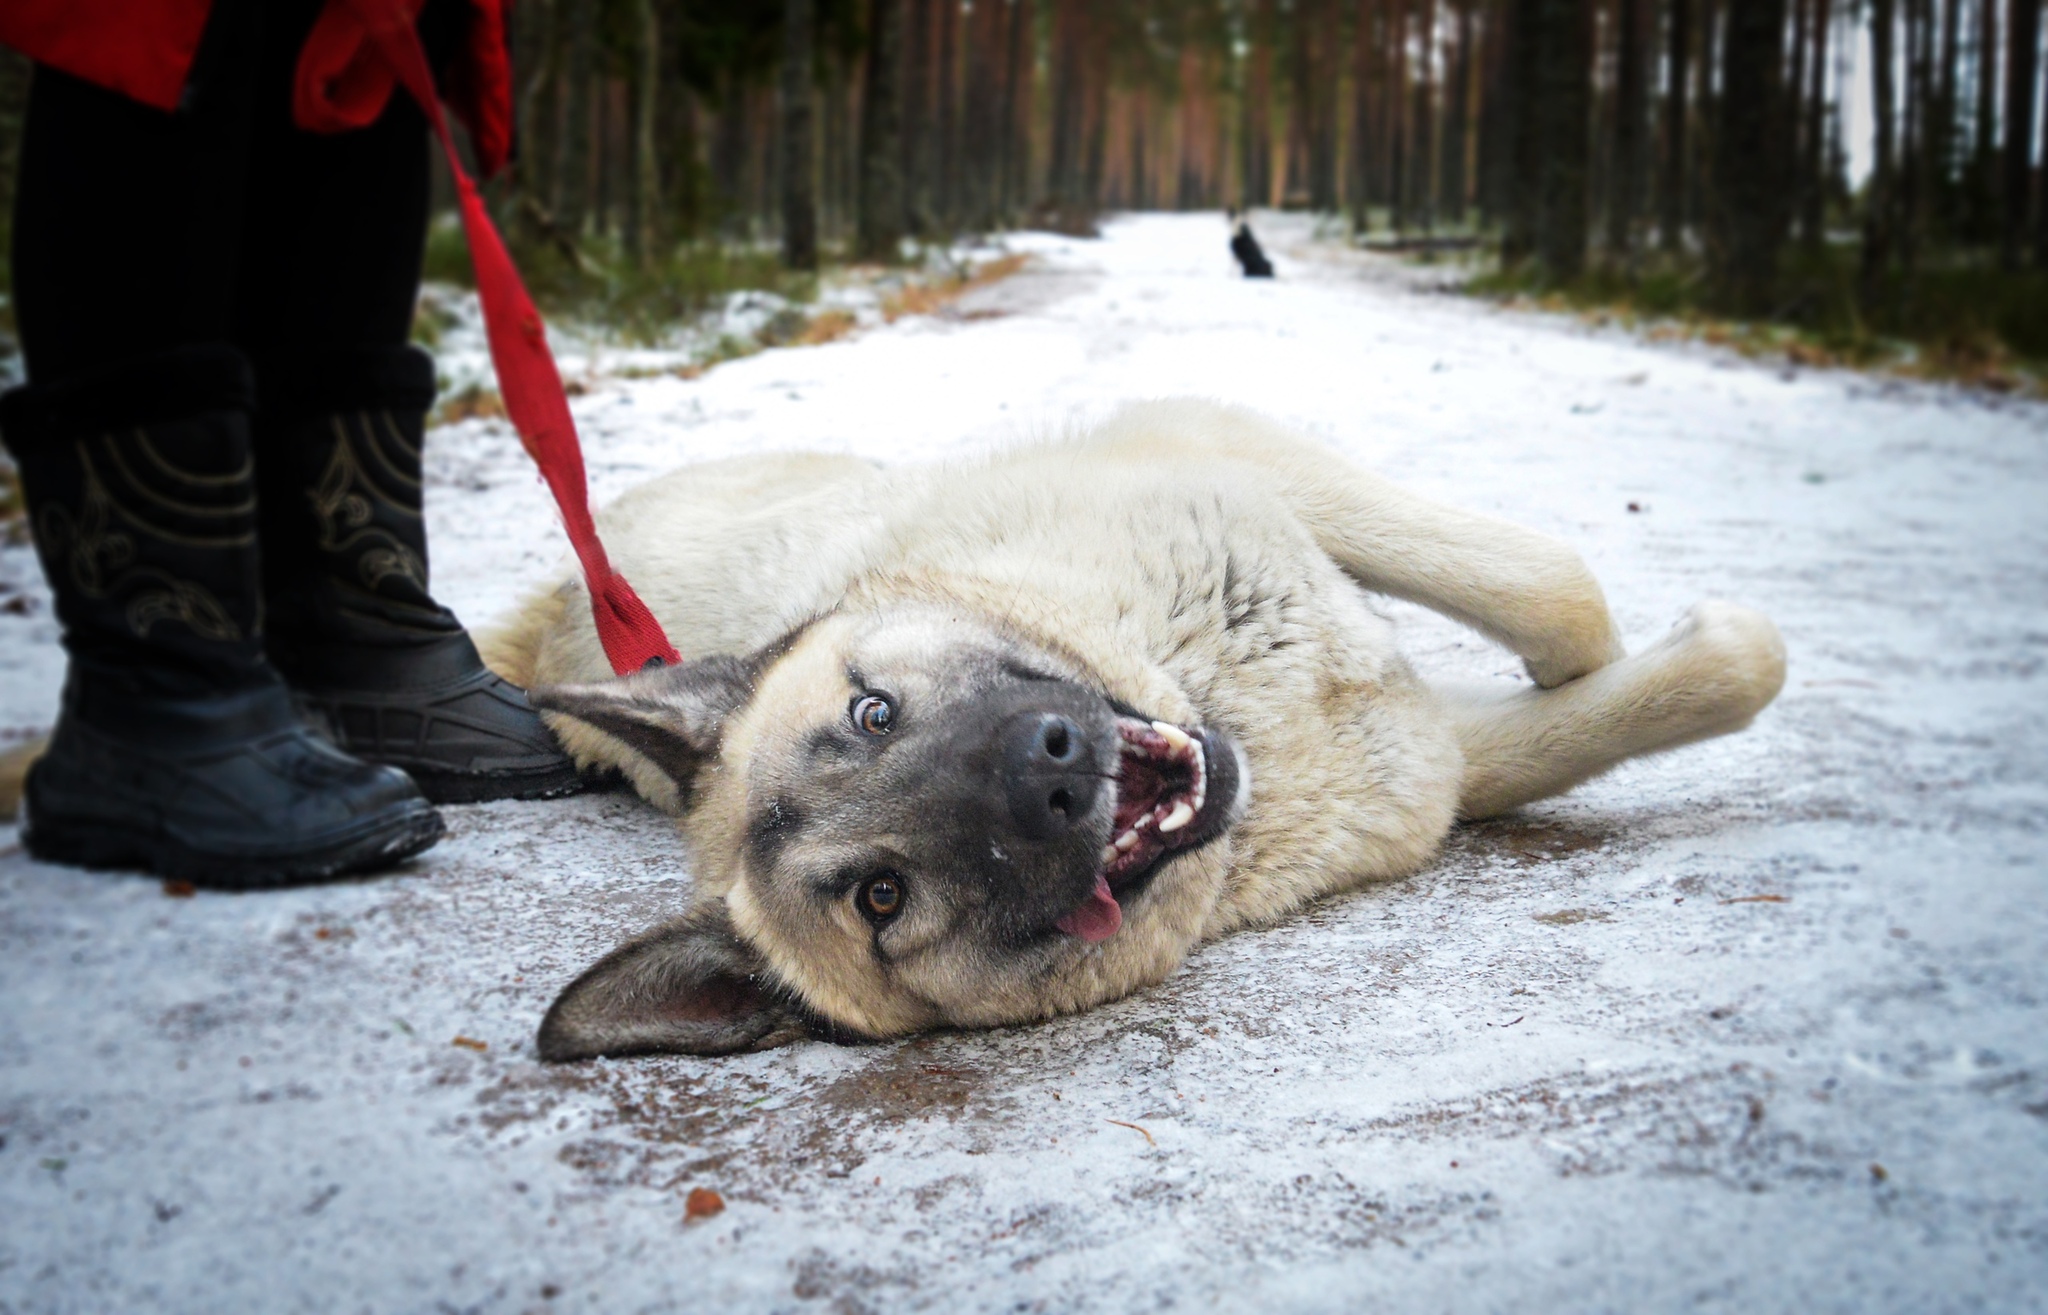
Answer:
(1520, 588)
(1523, 589)
(1712, 674)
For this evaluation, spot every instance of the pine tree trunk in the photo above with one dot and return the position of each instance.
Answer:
(1258, 99)
(604, 171)
(1710, 39)
(1523, 144)
(1019, 101)
(536, 38)
(1358, 184)
(646, 164)
(946, 118)
(1497, 114)
(1329, 64)
(838, 116)
(1063, 179)
(979, 153)
(1631, 123)
(1983, 186)
(1948, 198)
(1749, 188)
(1563, 109)
(1400, 117)
(1192, 175)
(799, 155)
(2041, 189)
(1457, 111)
(1878, 204)
(918, 138)
(1677, 81)
(1095, 111)
(729, 148)
(1428, 155)
(2023, 34)
(1813, 182)
(1294, 187)
(1474, 56)
(1139, 197)
(573, 127)
(881, 137)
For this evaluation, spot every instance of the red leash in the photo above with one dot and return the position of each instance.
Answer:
(527, 378)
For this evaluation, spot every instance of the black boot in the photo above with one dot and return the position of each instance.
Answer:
(352, 625)
(178, 747)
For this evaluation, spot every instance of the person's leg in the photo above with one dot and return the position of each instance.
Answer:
(177, 746)
(127, 219)
(335, 233)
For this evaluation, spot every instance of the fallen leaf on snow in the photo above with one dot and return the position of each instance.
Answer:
(701, 1203)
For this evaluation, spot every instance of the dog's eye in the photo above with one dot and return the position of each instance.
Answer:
(874, 714)
(882, 896)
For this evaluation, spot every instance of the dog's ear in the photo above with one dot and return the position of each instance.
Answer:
(670, 715)
(690, 986)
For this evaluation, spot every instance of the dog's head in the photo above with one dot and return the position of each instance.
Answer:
(918, 820)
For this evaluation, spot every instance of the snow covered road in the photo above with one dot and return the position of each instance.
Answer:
(1755, 1026)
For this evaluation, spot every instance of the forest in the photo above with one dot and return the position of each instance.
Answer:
(1673, 152)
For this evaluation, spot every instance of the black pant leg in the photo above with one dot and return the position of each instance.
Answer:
(128, 220)
(335, 228)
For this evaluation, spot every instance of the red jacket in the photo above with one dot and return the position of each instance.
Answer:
(144, 49)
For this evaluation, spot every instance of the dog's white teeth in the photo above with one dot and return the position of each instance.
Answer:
(1176, 738)
(1201, 792)
(1126, 842)
(1178, 818)
(1108, 854)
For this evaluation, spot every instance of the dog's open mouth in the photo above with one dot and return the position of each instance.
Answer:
(1174, 789)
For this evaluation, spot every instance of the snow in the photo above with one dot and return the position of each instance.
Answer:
(1575, 1064)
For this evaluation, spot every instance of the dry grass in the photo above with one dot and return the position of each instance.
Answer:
(474, 402)
(13, 510)
(824, 327)
(931, 298)
(1973, 358)
(790, 327)
(1937, 330)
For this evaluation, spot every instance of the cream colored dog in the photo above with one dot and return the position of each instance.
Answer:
(975, 744)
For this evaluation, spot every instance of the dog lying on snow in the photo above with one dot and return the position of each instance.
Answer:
(978, 744)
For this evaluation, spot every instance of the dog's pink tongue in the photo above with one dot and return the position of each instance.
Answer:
(1098, 919)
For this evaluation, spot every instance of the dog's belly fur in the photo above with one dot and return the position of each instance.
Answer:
(1191, 588)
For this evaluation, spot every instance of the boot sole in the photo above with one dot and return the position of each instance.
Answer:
(99, 843)
(485, 787)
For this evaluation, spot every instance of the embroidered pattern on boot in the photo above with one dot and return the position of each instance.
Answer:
(101, 558)
(346, 503)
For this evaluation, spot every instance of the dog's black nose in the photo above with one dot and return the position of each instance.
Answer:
(1048, 773)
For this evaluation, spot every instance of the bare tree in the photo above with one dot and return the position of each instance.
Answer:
(1749, 206)
(1563, 105)
(1631, 122)
(2023, 36)
(1878, 203)
(880, 225)
(646, 164)
(799, 154)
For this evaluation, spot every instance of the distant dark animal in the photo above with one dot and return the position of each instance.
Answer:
(1249, 254)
